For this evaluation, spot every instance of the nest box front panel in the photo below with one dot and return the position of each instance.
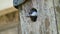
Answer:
(30, 20)
(37, 17)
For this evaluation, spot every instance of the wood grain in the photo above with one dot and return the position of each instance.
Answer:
(8, 18)
(46, 22)
(7, 10)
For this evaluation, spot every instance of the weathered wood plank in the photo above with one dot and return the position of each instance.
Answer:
(7, 10)
(8, 21)
(46, 22)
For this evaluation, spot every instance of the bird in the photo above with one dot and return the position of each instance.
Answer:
(33, 14)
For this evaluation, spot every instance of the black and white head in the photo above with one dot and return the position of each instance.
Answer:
(33, 14)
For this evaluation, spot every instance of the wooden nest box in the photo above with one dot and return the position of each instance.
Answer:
(46, 22)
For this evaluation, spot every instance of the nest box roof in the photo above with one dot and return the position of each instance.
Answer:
(18, 2)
